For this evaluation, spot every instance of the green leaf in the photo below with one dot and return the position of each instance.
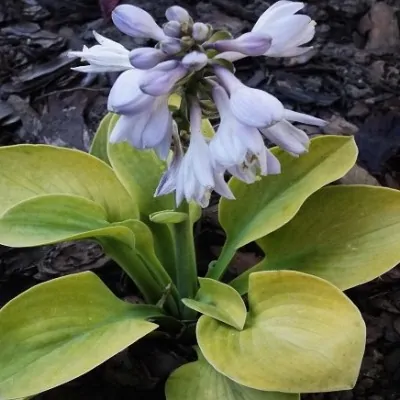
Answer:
(302, 335)
(200, 381)
(100, 140)
(140, 172)
(61, 329)
(347, 235)
(168, 217)
(34, 170)
(220, 301)
(266, 205)
(54, 218)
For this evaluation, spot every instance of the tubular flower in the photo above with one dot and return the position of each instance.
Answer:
(186, 62)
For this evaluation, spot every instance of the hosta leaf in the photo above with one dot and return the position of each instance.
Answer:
(55, 218)
(200, 381)
(33, 170)
(100, 140)
(140, 172)
(220, 301)
(59, 330)
(302, 334)
(345, 234)
(268, 204)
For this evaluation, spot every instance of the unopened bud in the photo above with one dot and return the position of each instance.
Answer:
(136, 22)
(177, 13)
(171, 46)
(195, 61)
(251, 44)
(172, 29)
(201, 32)
(161, 80)
(146, 57)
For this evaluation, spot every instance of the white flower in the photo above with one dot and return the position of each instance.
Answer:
(194, 175)
(287, 30)
(258, 109)
(107, 56)
(239, 148)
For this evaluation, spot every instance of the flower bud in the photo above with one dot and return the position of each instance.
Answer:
(160, 80)
(146, 57)
(200, 32)
(250, 43)
(195, 61)
(172, 29)
(177, 13)
(136, 22)
(171, 46)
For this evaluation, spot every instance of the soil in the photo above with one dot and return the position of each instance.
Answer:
(351, 78)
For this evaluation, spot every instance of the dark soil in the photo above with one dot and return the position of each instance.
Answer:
(351, 79)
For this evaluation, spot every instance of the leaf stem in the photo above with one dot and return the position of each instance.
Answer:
(218, 269)
(130, 261)
(186, 267)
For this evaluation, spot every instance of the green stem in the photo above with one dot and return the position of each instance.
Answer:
(186, 267)
(129, 260)
(221, 265)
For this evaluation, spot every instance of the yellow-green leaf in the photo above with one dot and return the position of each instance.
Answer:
(347, 235)
(140, 172)
(54, 218)
(200, 381)
(302, 335)
(220, 301)
(59, 330)
(100, 140)
(268, 204)
(33, 170)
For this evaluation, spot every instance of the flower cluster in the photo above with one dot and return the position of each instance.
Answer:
(191, 60)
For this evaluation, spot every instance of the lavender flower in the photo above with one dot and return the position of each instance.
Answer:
(197, 175)
(238, 148)
(178, 14)
(181, 62)
(148, 129)
(258, 109)
(249, 44)
(136, 22)
(146, 57)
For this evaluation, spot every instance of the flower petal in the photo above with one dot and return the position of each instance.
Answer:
(303, 118)
(135, 22)
(256, 108)
(277, 11)
(125, 96)
(287, 137)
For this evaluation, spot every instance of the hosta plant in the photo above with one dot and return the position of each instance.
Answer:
(282, 328)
